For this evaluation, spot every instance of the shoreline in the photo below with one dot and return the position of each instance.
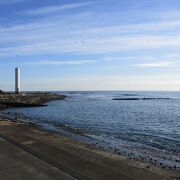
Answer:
(159, 158)
(137, 152)
(24, 133)
(147, 168)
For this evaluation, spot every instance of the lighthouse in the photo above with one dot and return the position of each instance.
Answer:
(17, 80)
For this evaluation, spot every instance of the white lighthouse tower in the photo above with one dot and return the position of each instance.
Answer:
(17, 80)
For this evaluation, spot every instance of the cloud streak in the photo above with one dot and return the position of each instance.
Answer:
(10, 1)
(51, 9)
(82, 33)
(162, 64)
(73, 33)
(53, 45)
(50, 62)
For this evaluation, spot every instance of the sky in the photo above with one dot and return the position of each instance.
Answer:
(90, 44)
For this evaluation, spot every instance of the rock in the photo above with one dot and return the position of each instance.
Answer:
(28, 99)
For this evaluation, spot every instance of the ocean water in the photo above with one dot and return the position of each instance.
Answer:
(136, 128)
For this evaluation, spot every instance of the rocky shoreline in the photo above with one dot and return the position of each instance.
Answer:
(27, 99)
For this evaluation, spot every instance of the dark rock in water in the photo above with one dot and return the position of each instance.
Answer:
(135, 99)
(1, 92)
(126, 99)
(178, 161)
(155, 98)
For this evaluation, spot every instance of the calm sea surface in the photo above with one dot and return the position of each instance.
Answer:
(139, 125)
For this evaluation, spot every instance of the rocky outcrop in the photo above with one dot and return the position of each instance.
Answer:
(27, 99)
(134, 99)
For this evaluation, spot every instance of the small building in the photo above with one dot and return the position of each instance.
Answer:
(17, 80)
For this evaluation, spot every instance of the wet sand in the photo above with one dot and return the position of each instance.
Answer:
(59, 157)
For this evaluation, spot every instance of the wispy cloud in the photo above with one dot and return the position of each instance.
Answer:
(76, 44)
(74, 33)
(128, 58)
(156, 64)
(162, 26)
(50, 9)
(10, 1)
(48, 62)
(83, 33)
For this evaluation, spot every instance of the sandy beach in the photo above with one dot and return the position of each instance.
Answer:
(47, 155)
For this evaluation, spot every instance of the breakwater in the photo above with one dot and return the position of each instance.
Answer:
(27, 99)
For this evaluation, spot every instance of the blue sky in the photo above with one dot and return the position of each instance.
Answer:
(90, 45)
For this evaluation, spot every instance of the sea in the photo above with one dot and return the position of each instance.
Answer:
(144, 126)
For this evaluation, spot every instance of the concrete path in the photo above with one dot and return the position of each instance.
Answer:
(16, 164)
